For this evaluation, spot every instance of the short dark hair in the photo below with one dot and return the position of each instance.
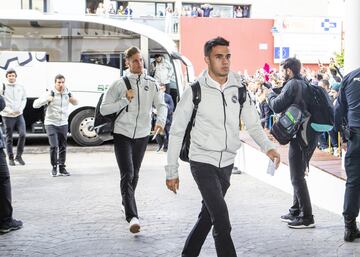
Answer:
(319, 76)
(218, 41)
(325, 82)
(59, 76)
(10, 71)
(131, 51)
(293, 64)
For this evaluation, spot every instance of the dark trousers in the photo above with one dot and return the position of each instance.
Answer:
(174, 94)
(323, 140)
(129, 155)
(298, 163)
(163, 140)
(6, 209)
(57, 139)
(213, 183)
(12, 124)
(352, 168)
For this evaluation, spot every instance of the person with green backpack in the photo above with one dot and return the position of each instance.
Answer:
(297, 93)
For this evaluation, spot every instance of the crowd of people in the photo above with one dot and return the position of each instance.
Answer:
(328, 77)
(193, 10)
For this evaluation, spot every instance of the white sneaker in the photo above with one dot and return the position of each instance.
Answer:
(134, 225)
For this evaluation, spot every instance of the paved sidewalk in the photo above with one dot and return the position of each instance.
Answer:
(80, 215)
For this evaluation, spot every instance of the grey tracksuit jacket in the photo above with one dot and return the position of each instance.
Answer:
(135, 120)
(57, 112)
(215, 135)
(15, 99)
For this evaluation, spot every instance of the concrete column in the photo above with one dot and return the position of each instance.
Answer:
(352, 35)
(144, 48)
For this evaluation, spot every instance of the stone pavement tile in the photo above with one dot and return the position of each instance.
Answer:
(80, 215)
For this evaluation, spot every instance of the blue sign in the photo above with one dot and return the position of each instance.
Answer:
(327, 25)
(285, 52)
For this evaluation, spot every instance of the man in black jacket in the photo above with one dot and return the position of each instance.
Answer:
(7, 223)
(348, 106)
(295, 92)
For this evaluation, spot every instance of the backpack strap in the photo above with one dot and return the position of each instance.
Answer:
(128, 86)
(196, 100)
(127, 82)
(3, 89)
(242, 92)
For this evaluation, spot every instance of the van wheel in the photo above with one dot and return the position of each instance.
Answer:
(81, 129)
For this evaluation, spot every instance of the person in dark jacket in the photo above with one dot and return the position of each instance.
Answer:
(300, 213)
(163, 140)
(7, 223)
(348, 107)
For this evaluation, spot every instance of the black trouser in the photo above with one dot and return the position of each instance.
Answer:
(11, 124)
(167, 88)
(352, 168)
(57, 139)
(129, 155)
(6, 209)
(213, 183)
(163, 140)
(174, 94)
(298, 163)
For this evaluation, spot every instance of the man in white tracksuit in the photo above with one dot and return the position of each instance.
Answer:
(162, 71)
(56, 122)
(132, 126)
(12, 116)
(214, 143)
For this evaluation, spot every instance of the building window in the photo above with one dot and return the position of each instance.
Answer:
(242, 11)
(39, 5)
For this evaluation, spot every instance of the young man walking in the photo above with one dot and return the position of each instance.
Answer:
(214, 142)
(133, 125)
(56, 122)
(13, 118)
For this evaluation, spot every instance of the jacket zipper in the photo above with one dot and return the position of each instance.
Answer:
(138, 95)
(61, 102)
(224, 106)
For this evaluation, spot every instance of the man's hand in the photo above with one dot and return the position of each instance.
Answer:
(274, 156)
(159, 127)
(344, 146)
(15, 113)
(50, 99)
(173, 184)
(130, 94)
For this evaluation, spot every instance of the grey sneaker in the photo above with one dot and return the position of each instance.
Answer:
(53, 171)
(287, 218)
(11, 162)
(63, 171)
(20, 160)
(301, 222)
(12, 225)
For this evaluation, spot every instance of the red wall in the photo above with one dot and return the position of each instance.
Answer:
(244, 35)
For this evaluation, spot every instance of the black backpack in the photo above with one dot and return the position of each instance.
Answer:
(288, 124)
(196, 89)
(320, 108)
(104, 125)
